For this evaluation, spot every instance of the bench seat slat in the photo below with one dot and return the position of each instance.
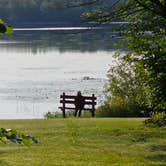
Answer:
(73, 97)
(73, 108)
(73, 102)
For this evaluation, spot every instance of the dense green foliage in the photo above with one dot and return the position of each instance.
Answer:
(5, 29)
(139, 77)
(86, 141)
(156, 119)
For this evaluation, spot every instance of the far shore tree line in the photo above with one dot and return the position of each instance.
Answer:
(57, 12)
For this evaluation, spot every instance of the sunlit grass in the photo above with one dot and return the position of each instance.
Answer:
(86, 141)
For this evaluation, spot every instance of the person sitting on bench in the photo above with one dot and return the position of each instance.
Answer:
(79, 104)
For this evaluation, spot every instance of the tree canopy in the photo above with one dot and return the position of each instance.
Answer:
(139, 77)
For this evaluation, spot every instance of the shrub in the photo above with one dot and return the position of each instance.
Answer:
(16, 137)
(117, 107)
(52, 115)
(156, 119)
(57, 114)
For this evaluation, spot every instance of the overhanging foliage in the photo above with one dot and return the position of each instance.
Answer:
(4, 28)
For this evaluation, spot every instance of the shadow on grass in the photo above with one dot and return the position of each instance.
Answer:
(159, 148)
(1, 153)
(3, 163)
(160, 151)
(158, 157)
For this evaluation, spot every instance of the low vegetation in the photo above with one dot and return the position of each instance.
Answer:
(157, 119)
(52, 115)
(16, 137)
(86, 141)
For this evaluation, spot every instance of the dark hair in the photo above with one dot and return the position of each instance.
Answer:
(79, 93)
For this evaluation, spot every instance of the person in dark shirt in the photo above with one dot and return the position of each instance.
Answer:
(79, 104)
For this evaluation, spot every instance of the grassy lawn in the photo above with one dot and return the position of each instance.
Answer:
(86, 142)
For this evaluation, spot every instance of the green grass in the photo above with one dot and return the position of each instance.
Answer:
(86, 142)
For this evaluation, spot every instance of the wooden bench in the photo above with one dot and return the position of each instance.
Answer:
(68, 100)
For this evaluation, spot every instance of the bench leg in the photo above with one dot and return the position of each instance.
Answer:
(75, 113)
(93, 113)
(79, 114)
(64, 114)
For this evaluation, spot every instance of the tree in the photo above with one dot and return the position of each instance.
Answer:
(145, 38)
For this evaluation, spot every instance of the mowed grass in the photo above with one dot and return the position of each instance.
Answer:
(86, 142)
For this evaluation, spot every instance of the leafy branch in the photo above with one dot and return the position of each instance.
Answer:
(4, 28)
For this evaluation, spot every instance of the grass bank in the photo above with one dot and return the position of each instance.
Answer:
(86, 142)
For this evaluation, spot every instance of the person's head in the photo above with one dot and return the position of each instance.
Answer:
(79, 93)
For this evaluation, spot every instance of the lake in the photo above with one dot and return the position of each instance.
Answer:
(38, 65)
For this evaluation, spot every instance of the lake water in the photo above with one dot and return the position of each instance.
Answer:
(37, 66)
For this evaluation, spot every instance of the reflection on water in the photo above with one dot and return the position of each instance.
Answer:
(55, 29)
(36, 67)
(73, 40)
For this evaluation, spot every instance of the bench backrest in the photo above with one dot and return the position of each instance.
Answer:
(68, 102)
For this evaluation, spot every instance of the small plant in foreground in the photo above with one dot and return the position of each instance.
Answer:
(157, 119)
(13, 136)
(52, 115)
